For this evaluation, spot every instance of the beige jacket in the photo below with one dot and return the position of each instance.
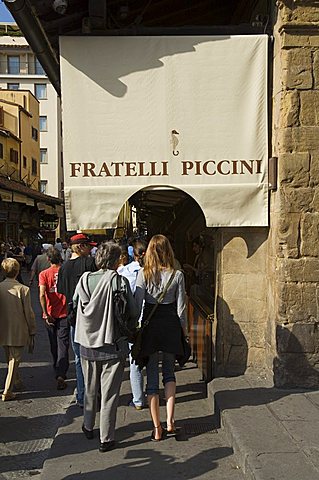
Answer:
(17, 321)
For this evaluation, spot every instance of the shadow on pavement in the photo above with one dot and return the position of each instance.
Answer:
(243, 397)
(147, 463)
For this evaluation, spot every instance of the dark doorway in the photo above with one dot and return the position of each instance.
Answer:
(177, 215)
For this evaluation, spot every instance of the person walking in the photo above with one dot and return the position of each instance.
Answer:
(66, 252)
(130, 272)
(123, 259)
(58, 244)
(17, 323)
(40, 263)
(28, 256)
(164, 330)
(55, 317)
(103, 351)
(15, 252)
(68, 277)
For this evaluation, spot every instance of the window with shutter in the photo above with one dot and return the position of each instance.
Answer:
(13, 155)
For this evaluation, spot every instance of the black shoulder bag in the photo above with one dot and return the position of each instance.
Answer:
(122, 314)
(136, 349)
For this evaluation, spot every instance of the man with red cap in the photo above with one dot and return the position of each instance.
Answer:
(69, 275)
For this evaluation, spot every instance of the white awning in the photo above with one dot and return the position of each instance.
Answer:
(179, 112)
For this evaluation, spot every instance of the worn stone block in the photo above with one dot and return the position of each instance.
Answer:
(309, 235)
(311, 270)
(245, 309)
(305, 139)
(316, 68)
(288, 234)
(254, 334)
(314, 170)
(244, 251)
(285, 143)
(297, 338)
(256, 358)
(297, 302)
(296, 370)
(295, 407)
(309, 303)
(315, 201)
(305, 433)
(298, 139)
(305, 14)
(297, 200)
(276, 109)
(297, 68)
(291, 270)
(294, 168)
(299, 269)
(285, 12)
(289, 299)
(268, 466)
(293, 40)
(237, 356)
(239, 286)
(314, 40)
(309, 108)
(289, 109)
(278, 86)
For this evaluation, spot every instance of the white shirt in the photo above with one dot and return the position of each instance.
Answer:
(130, 272)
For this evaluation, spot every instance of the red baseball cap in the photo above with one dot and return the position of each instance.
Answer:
(81, 238)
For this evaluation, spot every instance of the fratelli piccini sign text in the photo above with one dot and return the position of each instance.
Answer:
(161, 169)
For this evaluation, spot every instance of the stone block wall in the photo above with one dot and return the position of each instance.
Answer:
(241, 307)
(292, 333)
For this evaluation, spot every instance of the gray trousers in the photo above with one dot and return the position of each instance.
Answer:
(106, 374)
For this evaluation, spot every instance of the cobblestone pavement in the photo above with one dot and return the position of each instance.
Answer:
(28, 425)
(200, 452)
(40, 433)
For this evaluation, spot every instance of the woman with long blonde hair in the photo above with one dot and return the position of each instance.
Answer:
(159, 282)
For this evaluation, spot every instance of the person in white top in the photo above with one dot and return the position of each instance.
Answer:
(130, 272)
(66, 252)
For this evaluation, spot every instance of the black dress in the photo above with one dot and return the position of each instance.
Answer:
(164, 332)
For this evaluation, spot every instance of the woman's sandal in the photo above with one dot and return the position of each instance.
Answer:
(172, 431)
(153, 439)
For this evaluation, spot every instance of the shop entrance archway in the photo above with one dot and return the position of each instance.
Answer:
(177, 215)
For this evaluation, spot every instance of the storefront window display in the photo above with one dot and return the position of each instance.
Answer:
(200, 273)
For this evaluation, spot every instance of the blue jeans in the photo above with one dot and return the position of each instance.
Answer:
(78, 369)
(137, 382)
(152, 371)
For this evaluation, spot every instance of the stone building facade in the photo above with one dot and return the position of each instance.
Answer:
(266, 299)
(267, 296)
(294, 242)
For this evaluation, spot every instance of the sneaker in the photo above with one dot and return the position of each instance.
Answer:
(61, 383)
(88, 433)
(137, 407)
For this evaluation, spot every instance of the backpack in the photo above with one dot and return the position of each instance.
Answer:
(122, 314)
